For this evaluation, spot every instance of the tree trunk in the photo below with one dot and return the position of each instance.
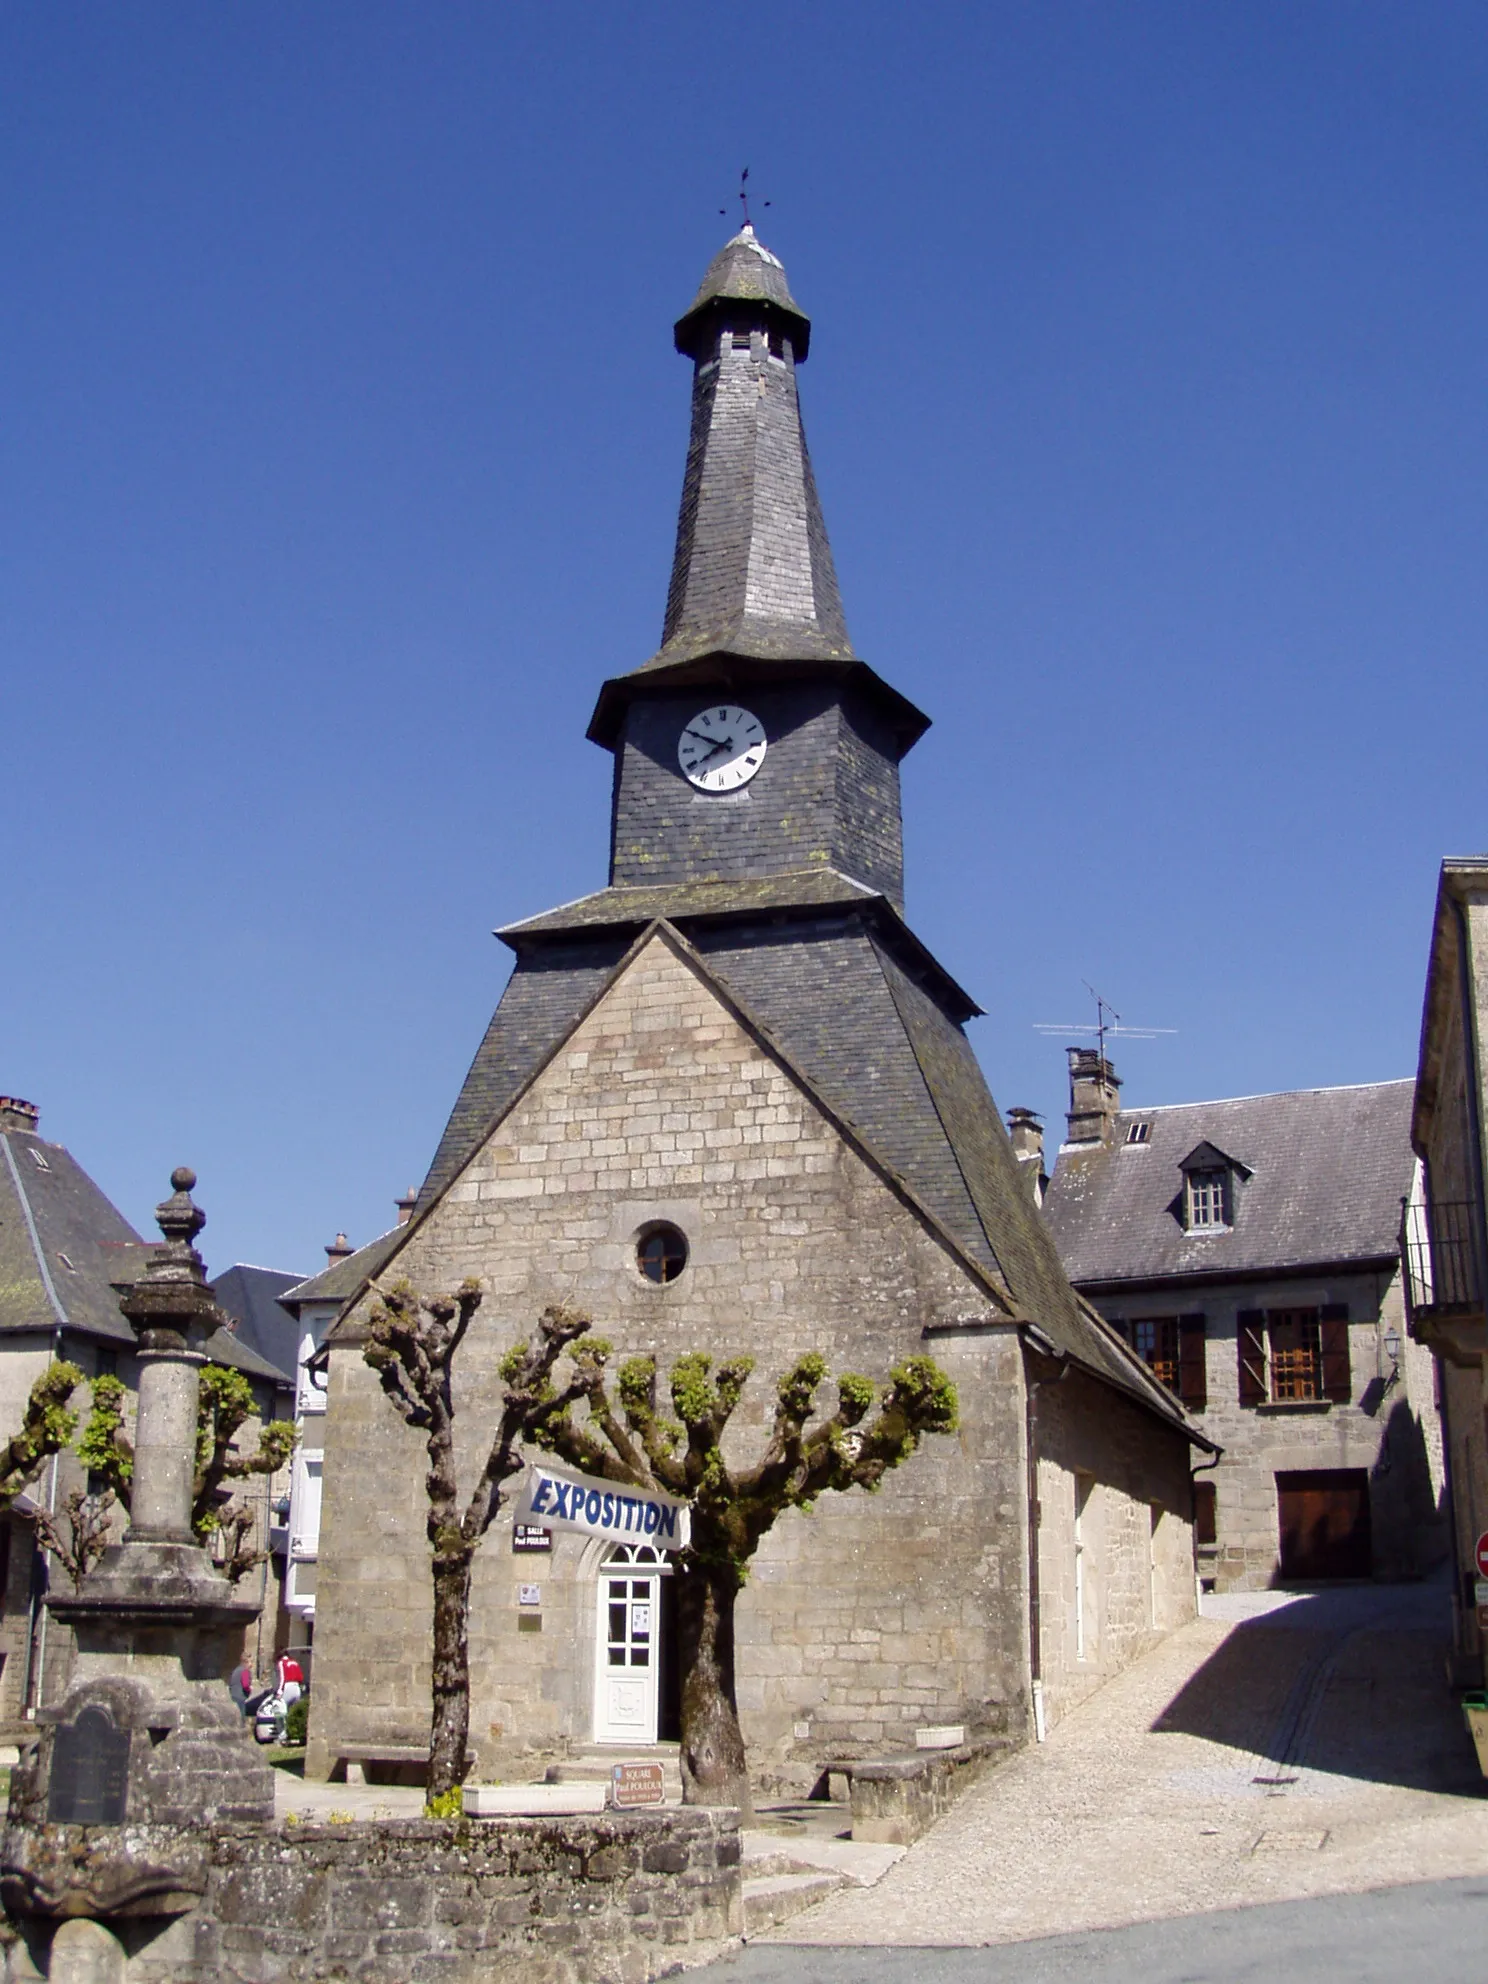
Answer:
(713, 1765)
(451, 1722)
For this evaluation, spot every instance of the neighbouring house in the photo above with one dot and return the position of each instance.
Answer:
(1249, 1251)
(1447, 1227)
(250, 1298)
(728, 1103)
(65, 1250)
(310, 1307)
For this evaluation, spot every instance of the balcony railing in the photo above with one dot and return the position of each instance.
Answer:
(1443, 1275)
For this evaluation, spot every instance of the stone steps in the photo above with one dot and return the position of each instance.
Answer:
(786, 1873)
(770, 1899)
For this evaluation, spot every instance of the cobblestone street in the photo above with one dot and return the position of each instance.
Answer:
(1281, 1747)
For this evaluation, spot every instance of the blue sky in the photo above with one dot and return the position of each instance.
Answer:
(342, 438)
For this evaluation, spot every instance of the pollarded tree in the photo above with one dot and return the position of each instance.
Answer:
(224, 1403)
(45, 1430)
(733, 1508)
(412, 1343)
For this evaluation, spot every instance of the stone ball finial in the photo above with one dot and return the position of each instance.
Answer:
(179, 1218)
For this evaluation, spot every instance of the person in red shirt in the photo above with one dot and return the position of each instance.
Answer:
(291, 1678)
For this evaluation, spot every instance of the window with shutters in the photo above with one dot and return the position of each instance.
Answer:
(1294, 1356)
(1155, 1340)
(1173, 1348)
(1296, 1353)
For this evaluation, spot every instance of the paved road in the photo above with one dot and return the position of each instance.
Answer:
(1436, 1930)
(1278, 1748)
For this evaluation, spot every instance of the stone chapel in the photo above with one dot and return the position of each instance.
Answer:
(728, 1103)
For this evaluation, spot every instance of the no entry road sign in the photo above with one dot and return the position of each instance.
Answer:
(1482, 1555)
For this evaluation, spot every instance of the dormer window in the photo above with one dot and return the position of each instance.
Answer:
(1211, 1190)
(1207, 1199)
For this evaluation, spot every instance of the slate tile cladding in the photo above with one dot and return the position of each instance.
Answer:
(1328, 1168)
(827, 793)
(752, 571)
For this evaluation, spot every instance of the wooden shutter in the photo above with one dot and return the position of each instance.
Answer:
(1338, 1379)
(1250, 1342)
(1193, 1365)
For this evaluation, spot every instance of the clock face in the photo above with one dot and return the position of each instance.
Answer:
(721, 748)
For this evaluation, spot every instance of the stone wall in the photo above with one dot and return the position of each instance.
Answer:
(1452, 1174)
(1115, 1539)
(616, 1899)
(1390, 1430)
(861, 1620)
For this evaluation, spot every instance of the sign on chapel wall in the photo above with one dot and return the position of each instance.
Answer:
(621, 1514)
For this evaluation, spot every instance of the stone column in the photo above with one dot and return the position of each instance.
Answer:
(168, 1310)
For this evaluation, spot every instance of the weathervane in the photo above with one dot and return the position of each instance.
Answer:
(1107, 1024)
(743, 197)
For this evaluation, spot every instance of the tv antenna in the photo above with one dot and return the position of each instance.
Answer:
(1108, 1024)
(743, 197)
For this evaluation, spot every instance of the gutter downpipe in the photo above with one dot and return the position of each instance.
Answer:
(1475, 1136)
(35, 1675)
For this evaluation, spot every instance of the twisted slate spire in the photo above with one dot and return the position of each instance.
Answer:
(752, 574)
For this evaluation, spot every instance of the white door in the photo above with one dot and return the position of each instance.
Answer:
(628, 1649)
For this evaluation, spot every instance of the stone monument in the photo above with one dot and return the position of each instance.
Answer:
(109, 1807)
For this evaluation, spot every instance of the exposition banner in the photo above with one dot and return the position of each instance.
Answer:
(603, 1508)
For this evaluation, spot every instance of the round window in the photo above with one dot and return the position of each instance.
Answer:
(661, 1253)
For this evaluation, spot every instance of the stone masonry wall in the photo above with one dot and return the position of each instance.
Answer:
(862, 1619)
(1390, 1430)
(1098, 1462)
(1452, 1176)
(616, 1899)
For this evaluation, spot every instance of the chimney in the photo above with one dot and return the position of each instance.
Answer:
(340, 1249)
(1095, 1096)
(1026, 1128)
(18, 1115)
(406, 1205)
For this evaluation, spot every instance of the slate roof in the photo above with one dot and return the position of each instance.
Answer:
(63, 1246)
(1328, 1166)
(339, 1281)
(634, 908)
(753, 587)
(251, 1297)
(743, 271)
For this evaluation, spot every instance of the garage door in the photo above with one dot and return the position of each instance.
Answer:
(1324, 1519)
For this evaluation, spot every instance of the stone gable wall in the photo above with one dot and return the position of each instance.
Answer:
(866, 1617)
